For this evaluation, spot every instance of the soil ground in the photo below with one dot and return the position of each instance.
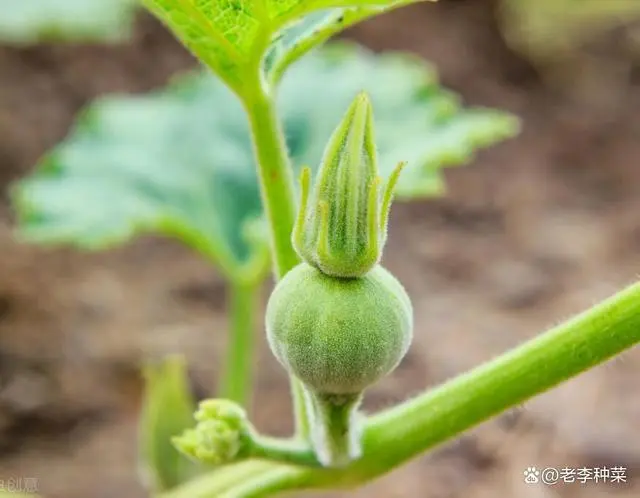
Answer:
(538, 228)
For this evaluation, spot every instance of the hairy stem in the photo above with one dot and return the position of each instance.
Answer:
(278, 199)
(276, 178)
(236, 380)
(335, 432)
(395, 436)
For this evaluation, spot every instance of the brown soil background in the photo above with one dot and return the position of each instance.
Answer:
(538, 228)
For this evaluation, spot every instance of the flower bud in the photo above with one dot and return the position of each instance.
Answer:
(221, 435)
(341, 227)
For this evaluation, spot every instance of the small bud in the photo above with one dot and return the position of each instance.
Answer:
(341, 227)
(222, 434)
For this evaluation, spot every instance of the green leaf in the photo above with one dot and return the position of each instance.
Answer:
(179, 161)
(295, 40)
(233, 36)
(32, 21)
(176, 162)
(167, 411)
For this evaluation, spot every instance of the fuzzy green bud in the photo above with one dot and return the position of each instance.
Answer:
(341, 226)
(221, 435)
(338, 336)
(339, 321)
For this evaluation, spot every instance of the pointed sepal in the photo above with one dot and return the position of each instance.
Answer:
(341, 224)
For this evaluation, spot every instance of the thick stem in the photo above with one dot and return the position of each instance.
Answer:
(278, 198)
(217, 483)
(335, 431)
(236, 380)
(276, 178)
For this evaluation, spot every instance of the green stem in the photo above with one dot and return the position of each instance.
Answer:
(401, 433)
(278, 198)
(283, 450)
(335, 429)
(276, 177)
(236, 381)
(214, 484)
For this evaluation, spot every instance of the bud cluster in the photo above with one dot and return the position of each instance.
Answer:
(221, 434)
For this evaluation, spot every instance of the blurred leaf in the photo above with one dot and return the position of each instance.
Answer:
(167, 411)
(176, 162)
(179, 161)
(548, 29)
(416, 120)
(232, 36)
(31, 21)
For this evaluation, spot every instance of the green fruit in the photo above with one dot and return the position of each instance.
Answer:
(337, 335)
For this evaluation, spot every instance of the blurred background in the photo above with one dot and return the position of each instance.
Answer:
(536, 229)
